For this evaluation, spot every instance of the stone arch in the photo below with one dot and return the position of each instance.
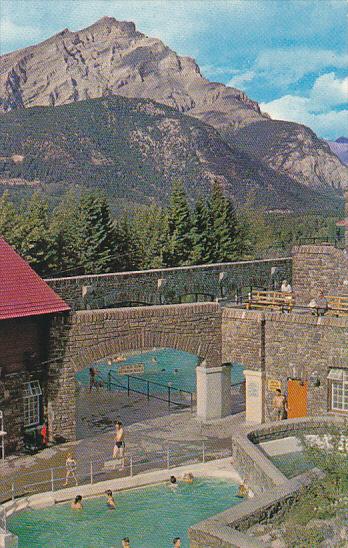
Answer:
(88, 336)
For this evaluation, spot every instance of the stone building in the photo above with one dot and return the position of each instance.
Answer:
(26, 309)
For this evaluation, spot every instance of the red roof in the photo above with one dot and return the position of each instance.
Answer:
(22, 291)
(343, 222)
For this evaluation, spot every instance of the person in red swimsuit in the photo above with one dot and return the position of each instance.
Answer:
(44, 433)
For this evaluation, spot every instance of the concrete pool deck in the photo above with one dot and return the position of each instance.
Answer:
(221, 468)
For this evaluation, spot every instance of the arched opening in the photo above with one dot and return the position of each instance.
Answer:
(134, 386)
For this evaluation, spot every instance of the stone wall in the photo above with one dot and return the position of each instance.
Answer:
(318, 267)
(19, 337)
(300, 345)
(286, 345)
(165, 286)
(87, 336)
(242, 336)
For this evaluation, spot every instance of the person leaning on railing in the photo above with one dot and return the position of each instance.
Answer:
(319, 305)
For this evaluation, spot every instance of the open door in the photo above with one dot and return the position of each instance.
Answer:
(297, 398)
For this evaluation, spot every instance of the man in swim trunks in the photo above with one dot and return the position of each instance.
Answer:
(279, 405)
(119, 446)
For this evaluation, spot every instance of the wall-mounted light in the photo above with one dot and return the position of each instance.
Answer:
(314, 378)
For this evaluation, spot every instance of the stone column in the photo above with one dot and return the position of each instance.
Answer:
(254, 396)
(213, 392)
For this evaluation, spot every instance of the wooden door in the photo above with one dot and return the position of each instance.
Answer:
(297, 399)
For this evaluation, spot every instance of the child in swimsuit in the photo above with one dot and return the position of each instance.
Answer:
(110, 501)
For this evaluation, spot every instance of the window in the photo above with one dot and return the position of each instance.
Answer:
(339, 389)
(32, 396)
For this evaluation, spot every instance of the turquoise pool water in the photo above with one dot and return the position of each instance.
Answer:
(292, 464)
(164, 366)
(151, 517)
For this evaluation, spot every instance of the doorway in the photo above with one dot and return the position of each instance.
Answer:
(297, 398)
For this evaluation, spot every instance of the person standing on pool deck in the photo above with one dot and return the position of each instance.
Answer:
(279, 405)
(119, 446)
(70, 465)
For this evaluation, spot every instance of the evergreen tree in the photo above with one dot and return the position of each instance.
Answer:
(96, 234)
(224, 227)
(151, 226)
(8, 220)
(128, 247)
(64, 230)
(36, 243)
(202, 234)
(179, 249)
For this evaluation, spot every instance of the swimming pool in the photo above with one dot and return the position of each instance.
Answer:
(151, 517)
(165, 366)
(292, 464)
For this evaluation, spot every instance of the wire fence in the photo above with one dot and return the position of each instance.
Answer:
(53, 479)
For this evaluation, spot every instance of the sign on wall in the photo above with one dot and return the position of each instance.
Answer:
(131, 369)
(274, 385)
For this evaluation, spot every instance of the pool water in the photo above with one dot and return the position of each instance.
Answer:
(151, 517)
(165, 366)
(292, 464)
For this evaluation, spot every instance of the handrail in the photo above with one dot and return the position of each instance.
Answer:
(169, 389)
(90, 470)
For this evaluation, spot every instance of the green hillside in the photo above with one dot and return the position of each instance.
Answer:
(134, 149)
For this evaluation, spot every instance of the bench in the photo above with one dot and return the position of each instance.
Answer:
(275, 300)
(337, 305)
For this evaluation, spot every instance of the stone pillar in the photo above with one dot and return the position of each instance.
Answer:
(8, 540)
(213, 392)
(254, 396)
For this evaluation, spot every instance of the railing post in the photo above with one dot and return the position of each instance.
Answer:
(148, 390)
(13, 492)
(191, 398)
(128, 385)
(91, 472)
(52, 479)
(203, 452)
(169, 397)
(109, 381)
(168, 458)
(131, 466)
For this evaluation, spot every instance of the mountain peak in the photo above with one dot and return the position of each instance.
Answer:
(107, 22)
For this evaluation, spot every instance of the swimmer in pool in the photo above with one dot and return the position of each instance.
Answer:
(173, 483)
(177, 542)
(154, 360)
(163, 369)
(77, 503)
(188, 477)
(125, 543)
(110, 501)
(176, 370)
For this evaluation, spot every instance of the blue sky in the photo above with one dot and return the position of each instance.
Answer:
(289, 55)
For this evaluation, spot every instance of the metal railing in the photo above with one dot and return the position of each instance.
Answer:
(89, 472)
(3, 520)
(162, 392)
(317, 240)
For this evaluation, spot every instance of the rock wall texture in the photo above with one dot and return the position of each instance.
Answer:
(318, 267)
(168, 284)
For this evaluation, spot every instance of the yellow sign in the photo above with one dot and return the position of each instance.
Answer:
(274, 385)
(131, 369)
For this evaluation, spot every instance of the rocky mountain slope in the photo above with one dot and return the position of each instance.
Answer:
(113, 58)
(340, 148)
(134, 149)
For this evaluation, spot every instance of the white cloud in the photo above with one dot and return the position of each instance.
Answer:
(317, 110)
(328, 91)
(284, 66)
(241, 79)
(11, 31)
